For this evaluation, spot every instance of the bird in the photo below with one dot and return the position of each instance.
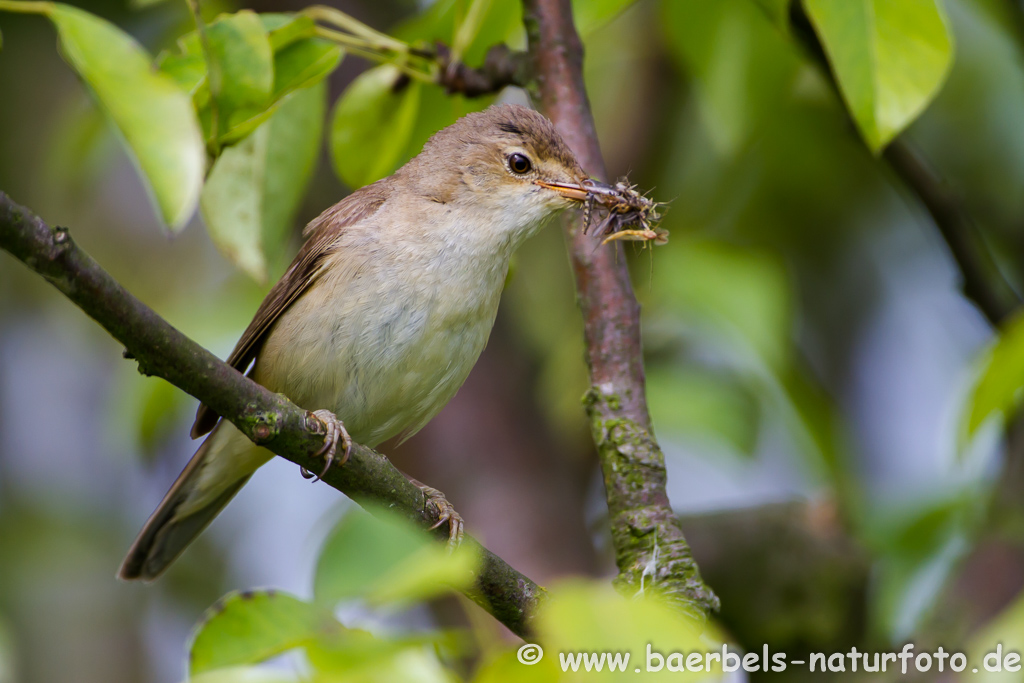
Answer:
(385, 309)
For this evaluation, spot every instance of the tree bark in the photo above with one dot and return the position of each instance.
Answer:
(649, 545)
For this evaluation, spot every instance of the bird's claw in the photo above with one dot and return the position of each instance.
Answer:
(335, 430)
(445, 513)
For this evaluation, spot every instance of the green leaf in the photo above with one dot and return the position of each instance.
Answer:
(890, 58)
(439, 110)
(246, 674)
(998, 390)
(241, 76)
(153, 115)
(382, 558)
(299, 62)
(188, 71)
(745, 294)
(592, 616)
(366, 658)
(360, 549)
(695, 402)
(303, 63)
(502, 22)
(429, 572)
(1005, 630)
(292, 151)
(741, 67)
(777, 12)
(506, 668)
(256, 186)
(285, 29)
(232, 203)
(372, 124)
(249, 627)
(468, 27)
(591, 15)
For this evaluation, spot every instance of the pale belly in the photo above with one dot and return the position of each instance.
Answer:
(384, 355)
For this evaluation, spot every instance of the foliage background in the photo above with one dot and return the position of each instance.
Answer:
(810, 355)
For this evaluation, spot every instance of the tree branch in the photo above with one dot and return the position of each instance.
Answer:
(982, 281)
(269, 419)
(502, 67)
(645, 530)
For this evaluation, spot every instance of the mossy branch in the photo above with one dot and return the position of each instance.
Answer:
(650, 548)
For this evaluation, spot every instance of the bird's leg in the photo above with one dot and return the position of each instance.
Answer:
(335, 430)
(445, 513)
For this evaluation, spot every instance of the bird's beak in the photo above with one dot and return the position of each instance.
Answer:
(574, 191)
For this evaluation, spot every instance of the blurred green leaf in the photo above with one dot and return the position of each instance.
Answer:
(232, 203)
(285, 29)
(362, 657)
(160, 401)
(435, 23)
(506, 668)
(245, 674)
(256, 186)
(251, 626)
(430, 572)
(303, 63)
(187, 70)
(241, 70)
(186, 64)
(592, 616)
(501, 22)
(299, 61)
(916, 548)
(744, 293)
(292, 150)
(468, 27)
(690, 401)
(438, 110)
(890, 59)
(384, 559)
(372, 124)
(591, 15)
(742, 68)
(359, 550)
(81, 146)
(1005, 630)
(777, 12)
(153, 115)
(998, 389)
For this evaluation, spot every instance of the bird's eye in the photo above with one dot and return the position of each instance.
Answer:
(519, 163)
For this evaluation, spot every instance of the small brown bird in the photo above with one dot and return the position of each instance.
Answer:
(385, 309)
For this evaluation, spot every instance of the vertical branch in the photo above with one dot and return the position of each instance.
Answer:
(649, 544)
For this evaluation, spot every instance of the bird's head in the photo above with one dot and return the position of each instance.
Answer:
(506, 163)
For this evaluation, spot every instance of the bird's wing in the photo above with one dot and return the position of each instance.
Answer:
(322, 233)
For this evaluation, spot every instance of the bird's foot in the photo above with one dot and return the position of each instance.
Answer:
(335, 431)
(445, 513)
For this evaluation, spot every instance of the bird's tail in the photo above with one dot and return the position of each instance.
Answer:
(210, 480)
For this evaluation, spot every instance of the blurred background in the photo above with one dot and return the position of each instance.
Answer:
(810, 355)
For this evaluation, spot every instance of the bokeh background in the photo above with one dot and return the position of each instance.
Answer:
(810, 356)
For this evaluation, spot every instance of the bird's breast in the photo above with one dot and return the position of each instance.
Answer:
(384, 337)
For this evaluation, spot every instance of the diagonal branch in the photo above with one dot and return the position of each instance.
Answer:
(647, 535)
(269, 419)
